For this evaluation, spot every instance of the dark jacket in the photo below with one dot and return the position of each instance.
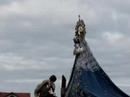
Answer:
(42, 90)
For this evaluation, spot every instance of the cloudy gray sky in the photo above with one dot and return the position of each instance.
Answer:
(36, 40)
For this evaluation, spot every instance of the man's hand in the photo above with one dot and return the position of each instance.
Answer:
(49, 84)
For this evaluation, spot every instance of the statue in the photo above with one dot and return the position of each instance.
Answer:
(87, 78)
(80, 32)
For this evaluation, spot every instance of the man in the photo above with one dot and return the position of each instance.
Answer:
(46, 88)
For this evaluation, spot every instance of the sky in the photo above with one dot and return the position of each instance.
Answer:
(36, 40)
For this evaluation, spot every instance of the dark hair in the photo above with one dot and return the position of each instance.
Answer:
(53, 78)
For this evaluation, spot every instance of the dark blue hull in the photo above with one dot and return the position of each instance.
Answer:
(89, 80)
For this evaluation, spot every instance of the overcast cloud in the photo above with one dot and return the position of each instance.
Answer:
(36, 40)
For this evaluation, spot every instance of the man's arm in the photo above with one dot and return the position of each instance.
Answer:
(53, 87)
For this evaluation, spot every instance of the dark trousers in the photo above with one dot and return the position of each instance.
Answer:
(48, 95)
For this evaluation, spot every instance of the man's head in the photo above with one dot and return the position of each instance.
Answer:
(52, 78)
